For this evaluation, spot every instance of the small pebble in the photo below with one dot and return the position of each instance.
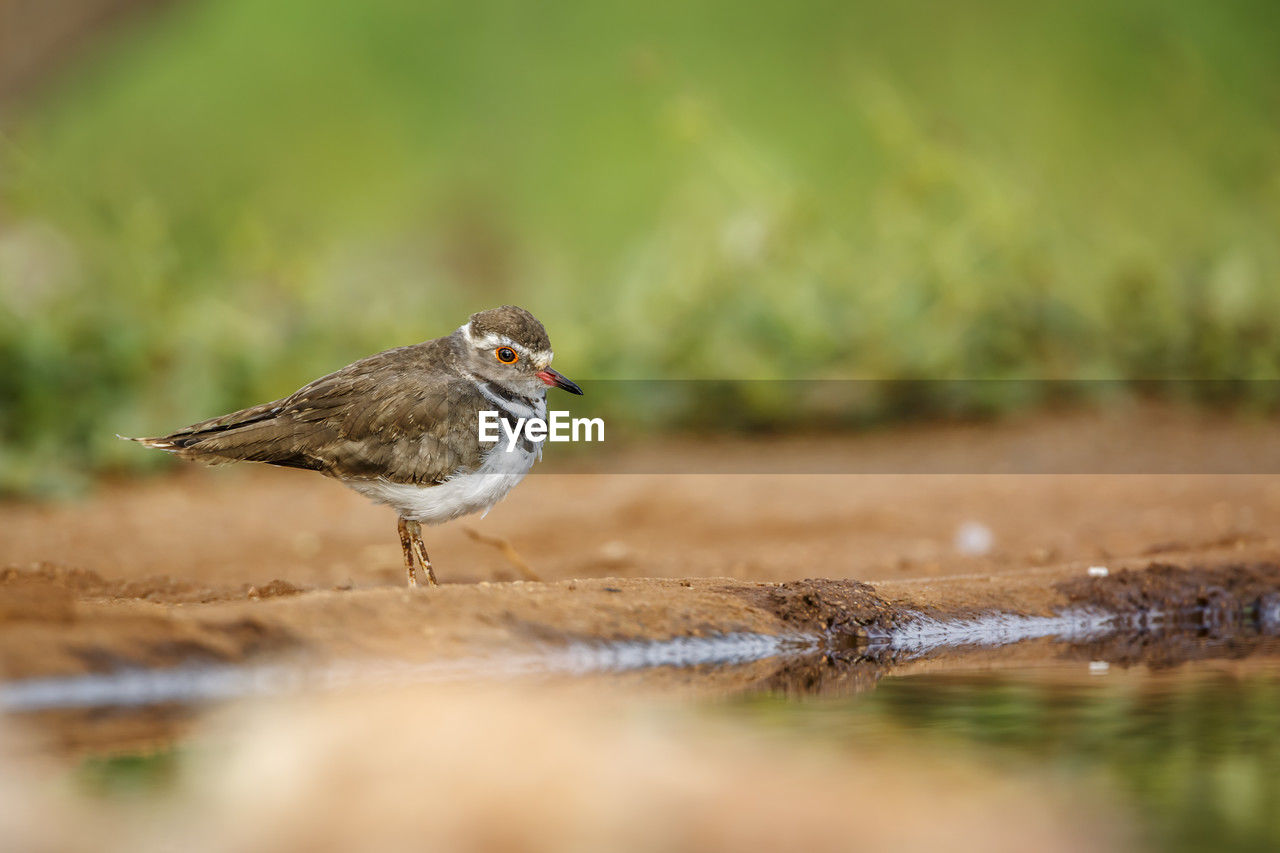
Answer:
(615, 551)
(1098, 571)
(974, 539)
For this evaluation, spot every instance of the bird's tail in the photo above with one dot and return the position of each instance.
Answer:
(159, 443)
(196, 441)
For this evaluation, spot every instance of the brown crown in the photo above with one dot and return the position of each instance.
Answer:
(516, 323)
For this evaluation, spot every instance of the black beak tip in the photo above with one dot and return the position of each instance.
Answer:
(559, 380)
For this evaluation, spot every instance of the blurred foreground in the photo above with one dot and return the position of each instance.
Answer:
(488, 769)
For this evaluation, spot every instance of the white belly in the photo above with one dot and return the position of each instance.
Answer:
(460, 495)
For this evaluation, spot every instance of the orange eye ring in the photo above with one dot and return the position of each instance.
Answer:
(506, 355)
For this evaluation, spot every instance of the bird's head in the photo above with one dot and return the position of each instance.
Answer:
(509, 346)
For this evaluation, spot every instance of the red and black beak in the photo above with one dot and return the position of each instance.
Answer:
(557, 380)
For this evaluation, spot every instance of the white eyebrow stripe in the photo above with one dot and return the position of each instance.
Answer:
(493, 340)
(490, 340)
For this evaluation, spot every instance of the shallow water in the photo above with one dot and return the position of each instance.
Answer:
(1193, 751)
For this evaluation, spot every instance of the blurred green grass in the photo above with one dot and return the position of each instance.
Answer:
(230, 198)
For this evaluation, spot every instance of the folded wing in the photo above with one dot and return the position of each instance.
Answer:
(386, 416)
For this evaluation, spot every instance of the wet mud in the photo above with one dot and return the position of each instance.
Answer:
(1216, 598)
(1160, 617)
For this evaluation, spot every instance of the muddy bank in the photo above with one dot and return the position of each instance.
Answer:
(136, 673)
(58, 623)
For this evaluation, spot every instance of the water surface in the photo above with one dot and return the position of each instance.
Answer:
(1193, 750)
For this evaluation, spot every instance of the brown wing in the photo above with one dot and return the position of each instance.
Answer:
(390, 415)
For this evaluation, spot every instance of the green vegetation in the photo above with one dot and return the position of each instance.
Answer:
(231, 198)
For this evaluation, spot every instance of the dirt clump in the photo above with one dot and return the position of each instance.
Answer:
(845, 609)
(1218, 596)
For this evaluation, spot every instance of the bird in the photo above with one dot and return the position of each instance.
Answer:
(402, 427)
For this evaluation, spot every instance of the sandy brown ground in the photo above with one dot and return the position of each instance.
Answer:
(228, 564)
(252, 525)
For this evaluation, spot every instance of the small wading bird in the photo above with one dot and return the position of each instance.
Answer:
(401, 427)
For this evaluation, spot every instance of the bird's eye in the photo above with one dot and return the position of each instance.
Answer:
(507, 355)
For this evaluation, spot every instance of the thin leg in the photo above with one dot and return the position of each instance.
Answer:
(420, 548)
(406, 543)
